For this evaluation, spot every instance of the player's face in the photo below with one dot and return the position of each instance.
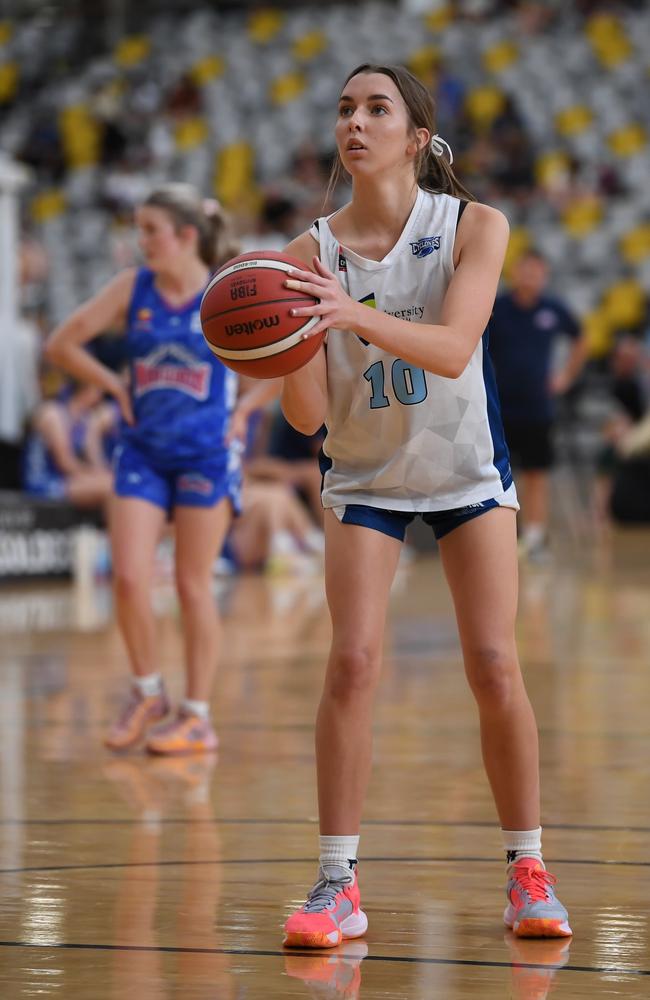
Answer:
(373, 130)
(158, 238)
(530, 275)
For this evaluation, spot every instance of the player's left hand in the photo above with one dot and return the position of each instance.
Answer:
(335, 307)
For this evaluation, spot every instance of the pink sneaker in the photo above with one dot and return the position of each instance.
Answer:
(533, 909)
(331, 913)
(184, 734)
(138, 714)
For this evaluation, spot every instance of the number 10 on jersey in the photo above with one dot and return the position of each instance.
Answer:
(409, 384)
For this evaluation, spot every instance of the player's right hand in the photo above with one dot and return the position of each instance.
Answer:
(123, 399)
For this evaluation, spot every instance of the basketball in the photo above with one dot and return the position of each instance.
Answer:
(246, 316)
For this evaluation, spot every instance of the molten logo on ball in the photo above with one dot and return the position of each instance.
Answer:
(252, 326)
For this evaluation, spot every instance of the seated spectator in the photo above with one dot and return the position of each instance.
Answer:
(292, 459)
(65, 455)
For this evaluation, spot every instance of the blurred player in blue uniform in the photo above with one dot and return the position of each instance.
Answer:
(174, 459)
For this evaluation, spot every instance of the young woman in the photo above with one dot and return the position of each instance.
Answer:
(174, 459)
(407, 392)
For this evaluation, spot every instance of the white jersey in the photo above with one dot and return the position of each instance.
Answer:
(398, 437)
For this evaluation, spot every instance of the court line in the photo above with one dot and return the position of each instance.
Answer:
(284, 821)
(107, 865)
(281, 953)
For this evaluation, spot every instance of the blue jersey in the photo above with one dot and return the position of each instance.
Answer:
(521, 345)
(182, 394)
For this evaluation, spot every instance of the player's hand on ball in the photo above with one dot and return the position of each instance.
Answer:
(335, 307)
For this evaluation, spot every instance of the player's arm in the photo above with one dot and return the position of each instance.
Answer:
(65, 345)
(304, 393)
(444, 348)
(254, 394)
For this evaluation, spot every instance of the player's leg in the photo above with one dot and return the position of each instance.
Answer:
(135, 528)
(360, 564)
(480, 562)
(200, 533)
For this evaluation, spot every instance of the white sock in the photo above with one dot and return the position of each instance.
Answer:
(534, 534)
(199, 708)
(522, 844)
(148, 686)
(338, 850)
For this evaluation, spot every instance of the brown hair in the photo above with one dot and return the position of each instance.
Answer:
(185, 207)
(433, 173)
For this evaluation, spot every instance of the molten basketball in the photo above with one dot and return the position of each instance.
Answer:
(246, 316)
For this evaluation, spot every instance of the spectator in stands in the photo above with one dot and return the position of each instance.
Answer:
(291, 458)
(525, 323)
(64, 456)
(621, 462)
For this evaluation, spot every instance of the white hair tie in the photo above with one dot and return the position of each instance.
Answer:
(438, 146)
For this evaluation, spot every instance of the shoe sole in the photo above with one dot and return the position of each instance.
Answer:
(184, 752)
(354, 926)
(541, 927)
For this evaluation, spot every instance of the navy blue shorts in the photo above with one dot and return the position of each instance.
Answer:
(199, 483)
(395, 522)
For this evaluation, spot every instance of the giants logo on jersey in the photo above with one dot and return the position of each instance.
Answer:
(172, 367)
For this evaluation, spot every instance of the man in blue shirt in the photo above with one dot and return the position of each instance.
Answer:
(524, 327)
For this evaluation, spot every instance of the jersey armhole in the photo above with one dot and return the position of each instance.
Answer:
(314, 230)
(462, 205)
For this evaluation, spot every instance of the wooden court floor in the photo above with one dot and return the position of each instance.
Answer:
(127, 877)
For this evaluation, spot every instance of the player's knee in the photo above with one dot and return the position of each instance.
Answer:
(191, 589)
(493, 675)
(353, 671)
(127, 583)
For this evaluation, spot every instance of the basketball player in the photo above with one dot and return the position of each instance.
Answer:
(413, 428)
(174, 459)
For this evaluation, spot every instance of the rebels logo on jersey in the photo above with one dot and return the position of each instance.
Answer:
(172, 367)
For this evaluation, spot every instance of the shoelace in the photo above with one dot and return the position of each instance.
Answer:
(534, 881)
(129, 709)
(325, 891)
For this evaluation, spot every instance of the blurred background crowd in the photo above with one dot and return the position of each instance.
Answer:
(545, 105)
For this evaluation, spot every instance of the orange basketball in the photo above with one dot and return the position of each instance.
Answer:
(246, 316)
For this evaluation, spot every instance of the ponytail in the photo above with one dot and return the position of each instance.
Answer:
(185, 207)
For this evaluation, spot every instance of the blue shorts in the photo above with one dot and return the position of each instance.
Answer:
(199, 483)
(395, 522)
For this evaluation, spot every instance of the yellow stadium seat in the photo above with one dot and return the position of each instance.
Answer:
(6, 31)
(440, 18)
(205, 70)
(47, 205)
(551, 166)
(191, 133)
(309, 46)
(264, 25)
(628, 140)
(624, 303)
(608, 39)
(287, 88)
(574, 119)
(422, 62)
(635, 245)
(8, 82)
(520, 240)
(500, 56)
(81, 136)
(234, 174)
(132, 51)
(582, 216)
(598, 332)
(484, 104)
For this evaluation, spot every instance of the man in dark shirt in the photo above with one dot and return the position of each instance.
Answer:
(524, 326)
